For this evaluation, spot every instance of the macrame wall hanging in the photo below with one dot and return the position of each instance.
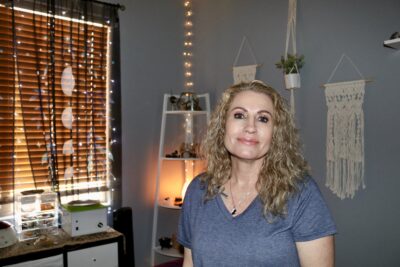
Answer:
(246, 73)
(345, 134)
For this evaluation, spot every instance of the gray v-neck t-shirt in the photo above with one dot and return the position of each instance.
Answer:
(216, 238)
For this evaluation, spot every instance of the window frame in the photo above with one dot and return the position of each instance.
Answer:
(112, 134)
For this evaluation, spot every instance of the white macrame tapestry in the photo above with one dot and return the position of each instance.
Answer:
(345, 137)
(246, 73)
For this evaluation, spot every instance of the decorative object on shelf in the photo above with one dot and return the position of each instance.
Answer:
(345, 135)
(173, 100)
(393, 42)
(395, 35)
(291, 63)
(188, 101)
(244, 73)
(176, 245)
(178, 201)
(174, 154)
(165, 242)
(188, 150)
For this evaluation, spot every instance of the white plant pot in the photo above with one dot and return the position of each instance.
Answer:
(292, 80)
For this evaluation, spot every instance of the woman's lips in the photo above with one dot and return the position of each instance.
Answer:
(248, 141)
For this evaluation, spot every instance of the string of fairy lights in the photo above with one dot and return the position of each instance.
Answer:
(189, 87)
(188, 46)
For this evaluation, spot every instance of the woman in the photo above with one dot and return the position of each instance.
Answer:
(255, 205)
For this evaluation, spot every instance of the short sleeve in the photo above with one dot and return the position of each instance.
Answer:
(188, 213)
(311, 216)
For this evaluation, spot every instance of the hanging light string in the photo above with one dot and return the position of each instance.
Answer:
(188, 86)
(188, 47)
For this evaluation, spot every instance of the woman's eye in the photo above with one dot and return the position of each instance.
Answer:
(263, 119)
(238, 115)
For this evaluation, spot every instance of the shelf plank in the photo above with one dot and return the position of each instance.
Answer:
(195, 112)
(170, 252)
(167, 205)
(180, 159)
(393, 43)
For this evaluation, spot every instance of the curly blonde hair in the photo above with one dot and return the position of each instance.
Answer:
(283, 166)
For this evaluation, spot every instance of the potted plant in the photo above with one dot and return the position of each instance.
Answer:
(291, 66)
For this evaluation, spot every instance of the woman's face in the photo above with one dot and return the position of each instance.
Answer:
(249, 126)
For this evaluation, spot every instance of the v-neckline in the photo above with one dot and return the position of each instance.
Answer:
(227, 214)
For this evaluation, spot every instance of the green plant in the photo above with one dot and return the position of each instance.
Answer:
(288, 65)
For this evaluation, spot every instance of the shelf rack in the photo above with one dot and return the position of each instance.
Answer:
(169, 111)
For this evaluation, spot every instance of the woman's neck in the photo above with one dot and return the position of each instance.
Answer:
(245, 173)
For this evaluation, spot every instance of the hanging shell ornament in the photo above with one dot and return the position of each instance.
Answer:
(67, 81)
(67, 118)
(44, 158)
(69, 172)
(68, 148)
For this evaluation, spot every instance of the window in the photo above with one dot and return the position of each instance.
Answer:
(55, 126)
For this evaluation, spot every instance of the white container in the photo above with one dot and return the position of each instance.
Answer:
(7, 235)
(89, 220)
(36, 210)
(292, 80)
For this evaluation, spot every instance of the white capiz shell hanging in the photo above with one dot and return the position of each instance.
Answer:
(67, 81)
(67, 118)
(90, 163)
(244, 73)
(68, 148)
(44, 158)
(69, 172)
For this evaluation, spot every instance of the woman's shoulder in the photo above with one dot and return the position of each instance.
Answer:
(200, 181)
(307, 182)
(308, 191)
(195, 193)
(198, 185)
(306, 187)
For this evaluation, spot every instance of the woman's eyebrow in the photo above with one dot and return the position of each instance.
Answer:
(258, 112)
(241, 108)
(265, 111)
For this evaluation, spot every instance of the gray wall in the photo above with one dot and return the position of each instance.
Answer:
(151, 46)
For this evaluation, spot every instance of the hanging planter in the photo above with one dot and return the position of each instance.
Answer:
(292, 80)
(291, 64)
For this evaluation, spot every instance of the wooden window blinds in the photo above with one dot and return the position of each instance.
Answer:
(54, 107)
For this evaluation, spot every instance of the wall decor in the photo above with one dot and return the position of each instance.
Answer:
(245, 73)
(292, 75)
(345, 135)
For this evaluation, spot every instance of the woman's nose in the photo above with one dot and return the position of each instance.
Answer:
(250, 126)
